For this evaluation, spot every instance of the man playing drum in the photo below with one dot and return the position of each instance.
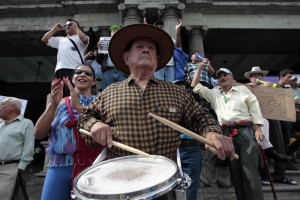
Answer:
(121, 113)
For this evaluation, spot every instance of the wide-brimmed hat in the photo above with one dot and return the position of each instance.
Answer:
(255, 70)
(227, 71)
(126, 35)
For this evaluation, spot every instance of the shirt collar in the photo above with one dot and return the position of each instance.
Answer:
(20, 117)
(152, 80)
(233, 88)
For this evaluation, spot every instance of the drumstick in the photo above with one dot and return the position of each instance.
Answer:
(185, 131)
(122, 146)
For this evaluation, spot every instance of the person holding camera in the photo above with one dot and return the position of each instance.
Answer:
(70, 49)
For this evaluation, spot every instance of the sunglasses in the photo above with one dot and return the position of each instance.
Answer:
(80, 71)
(66, 25)
(159, 26)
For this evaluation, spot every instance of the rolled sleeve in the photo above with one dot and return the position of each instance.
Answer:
(89, 116)
(28, 148)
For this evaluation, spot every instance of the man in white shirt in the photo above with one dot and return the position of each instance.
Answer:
(16, 145)
(238, 112)
(68, 57)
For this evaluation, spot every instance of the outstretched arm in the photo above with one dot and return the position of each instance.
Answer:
(178, 37)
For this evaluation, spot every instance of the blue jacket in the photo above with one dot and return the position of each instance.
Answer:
(181, 59)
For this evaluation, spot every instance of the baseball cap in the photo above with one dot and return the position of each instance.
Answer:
(227, 71)
(114, 27)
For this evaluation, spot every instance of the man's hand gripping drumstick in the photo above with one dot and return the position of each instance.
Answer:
(223, 147)
(122, 146)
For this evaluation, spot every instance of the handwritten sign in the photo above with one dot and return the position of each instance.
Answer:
(275, 103)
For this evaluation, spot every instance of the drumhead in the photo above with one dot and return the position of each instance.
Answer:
(127, 177)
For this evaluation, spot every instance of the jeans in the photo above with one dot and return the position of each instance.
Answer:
(57, 184)
(112, 76)
(166, 73)
(191, 161)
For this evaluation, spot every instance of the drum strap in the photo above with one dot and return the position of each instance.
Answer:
(179, 163)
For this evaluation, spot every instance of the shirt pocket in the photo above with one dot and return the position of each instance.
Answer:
(170, 113)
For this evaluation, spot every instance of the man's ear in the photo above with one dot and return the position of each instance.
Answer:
(125, 57)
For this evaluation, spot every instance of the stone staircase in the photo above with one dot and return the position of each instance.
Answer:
(283, 191)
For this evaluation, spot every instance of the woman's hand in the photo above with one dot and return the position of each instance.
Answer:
(57, 86)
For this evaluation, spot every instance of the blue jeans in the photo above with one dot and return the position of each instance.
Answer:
(166, 73)
(57, 184)
(191, 161)
(111, 76)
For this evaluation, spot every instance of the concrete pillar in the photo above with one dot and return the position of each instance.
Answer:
(195, 40)
(170, 19)
(130, 14)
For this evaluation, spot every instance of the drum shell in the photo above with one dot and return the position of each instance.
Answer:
(155, 191)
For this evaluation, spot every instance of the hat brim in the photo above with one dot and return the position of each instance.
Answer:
(125, 36)
(248, 74)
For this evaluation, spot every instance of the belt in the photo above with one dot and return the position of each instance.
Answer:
(8, 162)
(188, 143)
(232, 127)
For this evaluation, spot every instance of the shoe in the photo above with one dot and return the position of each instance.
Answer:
(291, 166)
(286, 181)
(278, 157)
(265, 181)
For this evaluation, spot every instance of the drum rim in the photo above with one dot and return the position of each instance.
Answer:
(156, 190)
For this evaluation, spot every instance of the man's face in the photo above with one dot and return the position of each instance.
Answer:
(5, 108)
(224, 79)
(287, 78)
(113, 32)
(194, 57)
(70, 29)
(255, 76)
(142, 55)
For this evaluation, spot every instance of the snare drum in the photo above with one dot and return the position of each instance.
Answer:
(130, 177)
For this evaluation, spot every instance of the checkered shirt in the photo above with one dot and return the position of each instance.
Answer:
(125, 107)
(191, 68)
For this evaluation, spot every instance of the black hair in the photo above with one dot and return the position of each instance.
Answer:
(72, 20)
(159, 22)
(285, 72)
(92, 69)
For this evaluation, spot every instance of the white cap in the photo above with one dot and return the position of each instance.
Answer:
(227, 71)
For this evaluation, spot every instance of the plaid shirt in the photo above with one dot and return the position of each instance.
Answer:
(125, 107)
(191, 68)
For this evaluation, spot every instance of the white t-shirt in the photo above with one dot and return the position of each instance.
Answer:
(67, 55)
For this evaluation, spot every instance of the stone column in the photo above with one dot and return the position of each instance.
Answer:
(195, 40)
(170, 19)
(130, 14)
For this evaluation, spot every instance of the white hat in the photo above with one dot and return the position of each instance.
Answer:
(227, 71)
(255, 70)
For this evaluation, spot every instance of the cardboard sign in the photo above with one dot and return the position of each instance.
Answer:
(275, 103)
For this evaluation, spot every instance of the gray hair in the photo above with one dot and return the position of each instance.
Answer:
(15, 101)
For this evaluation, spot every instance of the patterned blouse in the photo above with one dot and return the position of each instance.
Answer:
(62, 142)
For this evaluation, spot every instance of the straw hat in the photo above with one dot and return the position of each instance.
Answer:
(255, 70)
(126, 35)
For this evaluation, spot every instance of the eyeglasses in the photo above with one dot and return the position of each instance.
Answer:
(66, 25)
(80, 71)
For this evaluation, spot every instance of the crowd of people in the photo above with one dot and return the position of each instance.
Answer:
(138, 76)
